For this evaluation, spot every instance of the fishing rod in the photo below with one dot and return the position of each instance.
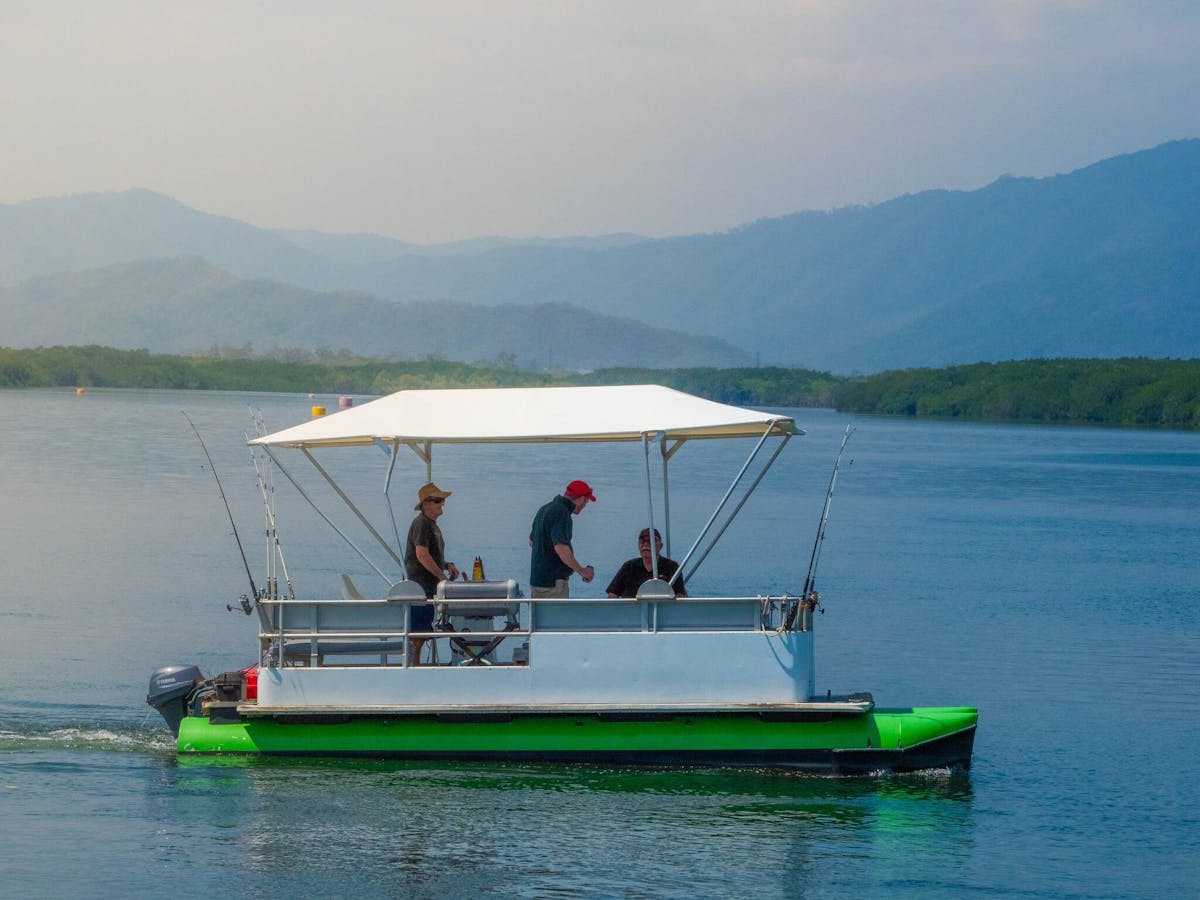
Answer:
(266, 487)
(809, 595)
(253, 589)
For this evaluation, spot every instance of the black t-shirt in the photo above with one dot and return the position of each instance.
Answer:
(424, 532)
(632, 575)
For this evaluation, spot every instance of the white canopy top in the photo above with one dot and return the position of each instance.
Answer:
(530, 415)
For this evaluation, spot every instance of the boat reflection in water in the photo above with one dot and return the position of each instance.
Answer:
(482, 828)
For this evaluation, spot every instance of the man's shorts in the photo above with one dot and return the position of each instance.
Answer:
(422, 617)
(559, 591)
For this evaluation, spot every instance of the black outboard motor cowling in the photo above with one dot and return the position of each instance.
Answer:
(170, 687)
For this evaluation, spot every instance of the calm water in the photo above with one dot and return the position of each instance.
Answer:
(1046, 575)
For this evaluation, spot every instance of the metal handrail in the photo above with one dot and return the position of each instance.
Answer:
(773, 612)
(385, 635)
(564, 601)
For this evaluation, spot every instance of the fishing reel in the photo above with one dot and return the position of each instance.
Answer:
(243, 603)
(813, 601)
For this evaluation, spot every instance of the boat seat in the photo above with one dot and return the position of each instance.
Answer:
(401, 590)
(407, 590)
(357, 613)
(303, 649)
(655, 589)
(486, 594)
(349, 590)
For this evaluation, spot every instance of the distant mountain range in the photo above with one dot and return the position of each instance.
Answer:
(1104, 261)
(187, 305)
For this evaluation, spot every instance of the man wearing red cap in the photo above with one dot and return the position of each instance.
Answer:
(551, 558)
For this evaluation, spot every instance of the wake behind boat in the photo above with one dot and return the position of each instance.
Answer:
(659, 679)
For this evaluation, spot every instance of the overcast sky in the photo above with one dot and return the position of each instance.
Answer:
(443, 120)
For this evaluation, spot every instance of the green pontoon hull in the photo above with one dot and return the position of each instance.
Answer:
(881, 740)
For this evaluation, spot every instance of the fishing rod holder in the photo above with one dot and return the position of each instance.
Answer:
(243, 603)
(788, 612)
(795, 613)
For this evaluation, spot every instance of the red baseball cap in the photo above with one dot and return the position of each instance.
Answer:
(580, 489)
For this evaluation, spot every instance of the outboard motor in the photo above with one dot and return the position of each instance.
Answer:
(170, 687)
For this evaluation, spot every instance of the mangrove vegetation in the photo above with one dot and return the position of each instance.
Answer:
(1132, 391)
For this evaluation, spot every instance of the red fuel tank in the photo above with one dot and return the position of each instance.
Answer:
(250, 674)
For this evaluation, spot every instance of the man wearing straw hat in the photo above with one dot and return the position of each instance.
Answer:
(425, 559)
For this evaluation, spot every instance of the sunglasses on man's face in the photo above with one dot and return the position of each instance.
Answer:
(438, 500)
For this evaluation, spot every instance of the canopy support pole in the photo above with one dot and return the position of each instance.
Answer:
(392, 451)
(328, 521)
(387, 484)
(746, 496)
(720, 506)
(354, 509)
(667, 453)
(649, 504)
(425, 454)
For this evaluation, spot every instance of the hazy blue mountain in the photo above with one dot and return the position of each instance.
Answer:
(52, 235)
(352, 249)
(87, 231)
(1103, 260)
(186, 305)
(1098, 261)
(373, 248)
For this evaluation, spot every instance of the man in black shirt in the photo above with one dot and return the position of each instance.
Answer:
(637, 571)
(425, 560)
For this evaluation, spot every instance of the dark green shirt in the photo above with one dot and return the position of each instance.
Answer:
(552, 525)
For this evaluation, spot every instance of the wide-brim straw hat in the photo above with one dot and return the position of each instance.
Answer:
(430, 490)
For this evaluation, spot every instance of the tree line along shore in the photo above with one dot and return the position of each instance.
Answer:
(1157, 393)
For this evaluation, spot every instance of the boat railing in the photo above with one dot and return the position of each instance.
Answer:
(486, 628)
